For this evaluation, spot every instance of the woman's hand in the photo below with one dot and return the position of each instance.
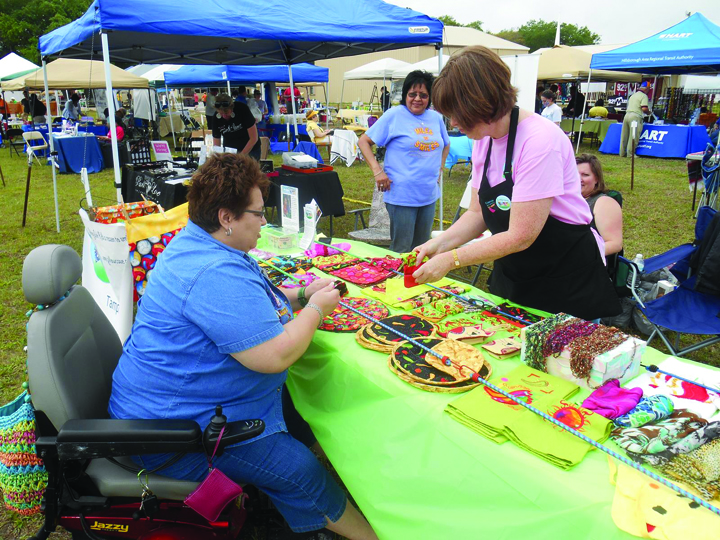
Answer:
(428, 249)
(316, 285)
(435, 269)
(383, 182)
(326, 298)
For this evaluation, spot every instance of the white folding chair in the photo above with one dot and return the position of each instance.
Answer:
(33, 136)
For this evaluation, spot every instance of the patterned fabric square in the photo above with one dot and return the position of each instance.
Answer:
(334, 262)
(345, 320)
(362, 274)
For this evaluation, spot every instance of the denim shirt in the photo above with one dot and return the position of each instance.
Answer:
(204, 301)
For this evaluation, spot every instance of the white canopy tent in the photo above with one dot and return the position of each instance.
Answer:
(372, 71)
(430, 65)
(14, 65)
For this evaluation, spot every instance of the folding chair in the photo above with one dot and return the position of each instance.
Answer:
(684, 310)
(31, 138)
(12, 135)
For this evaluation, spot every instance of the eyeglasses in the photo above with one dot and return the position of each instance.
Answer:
(260, 213)
(413, 95)
(223, 104)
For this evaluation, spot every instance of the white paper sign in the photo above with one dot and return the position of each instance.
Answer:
(290, 211)
(312, 215)
(107, 274)
(162, 150)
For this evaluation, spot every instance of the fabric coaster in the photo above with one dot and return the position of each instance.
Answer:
(654, 438)
(334, 262)
(408, 325)
(368, 342)
(650, 409)
(302, 279)
(344, 320)
(439, 309)
(503, 347)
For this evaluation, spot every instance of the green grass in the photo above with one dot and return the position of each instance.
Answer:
(657, 215)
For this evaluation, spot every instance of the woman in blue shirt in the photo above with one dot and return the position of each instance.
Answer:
(211, 329)
(416, 146)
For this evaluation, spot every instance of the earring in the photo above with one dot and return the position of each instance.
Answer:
(232, 115)
(218, 116)
(228, 232)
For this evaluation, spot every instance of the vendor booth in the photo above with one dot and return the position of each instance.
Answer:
(382, 69)
(691, 46)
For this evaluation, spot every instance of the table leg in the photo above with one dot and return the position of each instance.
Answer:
(2, 176)
(694, 194)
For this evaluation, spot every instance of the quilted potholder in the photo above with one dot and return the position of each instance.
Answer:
(345, 320)
(362, 274)
(408, 325)
(334, 262)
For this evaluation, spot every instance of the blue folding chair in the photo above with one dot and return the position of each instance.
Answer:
(684, 310)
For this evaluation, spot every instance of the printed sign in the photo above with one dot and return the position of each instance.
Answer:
(162, 150)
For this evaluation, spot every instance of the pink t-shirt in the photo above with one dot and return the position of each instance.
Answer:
(543, 166)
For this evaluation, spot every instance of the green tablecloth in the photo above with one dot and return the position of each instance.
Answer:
(598, 127)
(418, 474)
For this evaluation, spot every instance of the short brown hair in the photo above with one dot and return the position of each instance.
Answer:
(474, 86)
(596, 168)
(223, 181)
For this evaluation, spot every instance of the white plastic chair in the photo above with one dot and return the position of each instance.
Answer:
(30, 137)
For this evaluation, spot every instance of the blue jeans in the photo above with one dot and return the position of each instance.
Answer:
(280, 465)
(410, 226)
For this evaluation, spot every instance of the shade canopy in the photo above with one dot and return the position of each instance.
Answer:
(561, 63)
(219, 75)
(691, 46)
(430, 65)
(219, 32)
(12, 66)
(373, 71)
(69, 74)
(156, 75)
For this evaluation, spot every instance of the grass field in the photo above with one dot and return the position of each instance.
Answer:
(657, 215)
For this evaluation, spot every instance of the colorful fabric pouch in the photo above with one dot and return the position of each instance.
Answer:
(362, 274)
(323, 250)
(611, 401)
(440, 309)
(302, 279)
(649, 409)
(657, 437)
(23, 477)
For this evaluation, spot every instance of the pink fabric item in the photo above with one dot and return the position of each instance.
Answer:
(611, 401)
(323, 250)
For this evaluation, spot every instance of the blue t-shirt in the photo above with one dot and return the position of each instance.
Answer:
(413, 156)
(204, 301)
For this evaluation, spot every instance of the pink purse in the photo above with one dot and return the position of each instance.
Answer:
(215, 492)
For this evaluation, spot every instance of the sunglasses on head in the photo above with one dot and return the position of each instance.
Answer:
(223, 104)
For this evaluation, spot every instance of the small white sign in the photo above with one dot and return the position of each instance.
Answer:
(312, 215)
(289, 208)
(162, 150)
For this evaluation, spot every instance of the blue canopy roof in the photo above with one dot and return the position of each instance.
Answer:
(253, 32)
(218, 75)
(692, 46)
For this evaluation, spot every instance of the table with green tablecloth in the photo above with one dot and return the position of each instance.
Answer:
(598, 127)
(418, 474)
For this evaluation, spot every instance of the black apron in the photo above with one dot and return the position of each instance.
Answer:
(562, 271)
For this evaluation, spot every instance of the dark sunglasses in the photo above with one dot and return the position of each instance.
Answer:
(413, 95)
(223, 104)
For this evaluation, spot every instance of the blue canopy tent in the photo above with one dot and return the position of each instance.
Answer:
(226, 74)
(691, 46)
(172, 32)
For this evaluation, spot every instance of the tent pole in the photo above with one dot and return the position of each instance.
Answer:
(582, 118)
(442, 165)
(382, 97)
(152, 116)
(292, 100)
(327, 103)
(342, 91)
(52, 150)
(172, 128)
(654, 91)
(229, 91)
(111, 114)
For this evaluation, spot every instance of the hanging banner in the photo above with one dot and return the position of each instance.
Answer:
(106, 272)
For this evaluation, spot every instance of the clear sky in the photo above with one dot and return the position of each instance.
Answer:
(616, 21)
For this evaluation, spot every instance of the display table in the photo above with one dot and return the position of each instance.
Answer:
(167, 191)
(164, 127)
(660, 141)
(324, 187)
(72, 149)
(417, 474)
(598, 127)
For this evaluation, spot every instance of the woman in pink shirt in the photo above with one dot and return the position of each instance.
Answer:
(545, 253)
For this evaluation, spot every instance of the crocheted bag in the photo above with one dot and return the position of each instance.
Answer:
(23, 477)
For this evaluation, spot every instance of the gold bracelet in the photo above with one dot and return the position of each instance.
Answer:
(455, 258)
